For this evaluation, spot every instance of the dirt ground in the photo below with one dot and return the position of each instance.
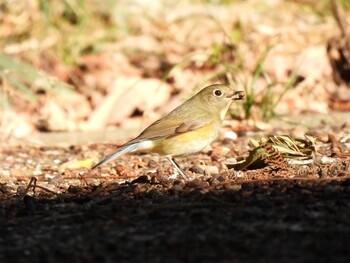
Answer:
(82, 66)
(133, 211)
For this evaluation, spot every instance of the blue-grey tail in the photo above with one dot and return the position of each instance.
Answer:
(124, 149)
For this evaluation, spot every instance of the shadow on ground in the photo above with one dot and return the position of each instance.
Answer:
(281, 221)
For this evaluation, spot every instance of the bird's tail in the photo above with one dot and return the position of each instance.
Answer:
(125, 149)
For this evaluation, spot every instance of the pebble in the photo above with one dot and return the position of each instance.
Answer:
(234, 187)
(225, 150)
(5, 173)
(18, 173)
(141, 189)
(37, 172)
(231, 135)
(231, 161)
(177, 187)
(221, 178)
(240, 174)
(196, 169)
(209, 170)
(143, 179)
(124, 171)
(197, 183)
(152, 164)
(326, 160)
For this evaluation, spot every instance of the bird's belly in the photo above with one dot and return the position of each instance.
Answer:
(186, 143)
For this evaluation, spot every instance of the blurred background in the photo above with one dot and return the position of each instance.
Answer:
(91, 65)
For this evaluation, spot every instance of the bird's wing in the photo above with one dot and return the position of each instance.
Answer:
(165, 128)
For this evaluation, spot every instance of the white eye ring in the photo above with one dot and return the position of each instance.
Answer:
(217, 93)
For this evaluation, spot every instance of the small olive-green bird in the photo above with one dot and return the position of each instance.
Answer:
(187, 129)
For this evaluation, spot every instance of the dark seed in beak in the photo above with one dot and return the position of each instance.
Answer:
(238, 95)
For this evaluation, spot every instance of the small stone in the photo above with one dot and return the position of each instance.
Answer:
(141, 180)
(326, 160)
(216, 180)
(138, 164)
(141, 189)
(124, 171)
(225, 150)
(5, 173)
(18, 173)
(152, 164)
(210, 170)
(6, 178)
(37, 172)
(231, 135)
(177, 187)
(196, 169)
(197, 183)
(239, 174)
(154, 180)
(234, 187)
(74, 189)
(231, 160)
(221, 178)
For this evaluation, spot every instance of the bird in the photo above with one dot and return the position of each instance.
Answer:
(187, 129)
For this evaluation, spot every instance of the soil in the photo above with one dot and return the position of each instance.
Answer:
(133, 211)
(131, 64)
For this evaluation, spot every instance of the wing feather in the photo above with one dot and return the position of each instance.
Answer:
(166, 128)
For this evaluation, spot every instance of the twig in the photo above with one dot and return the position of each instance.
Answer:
(32, 184)
(339, 17)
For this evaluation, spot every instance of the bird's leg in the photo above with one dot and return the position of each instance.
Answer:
(177, 167)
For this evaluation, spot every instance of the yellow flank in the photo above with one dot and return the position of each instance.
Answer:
(187, 143)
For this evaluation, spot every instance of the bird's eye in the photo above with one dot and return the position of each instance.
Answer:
(217, 93)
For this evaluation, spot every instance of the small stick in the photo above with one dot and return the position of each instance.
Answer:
(32, 184)
(339, 17)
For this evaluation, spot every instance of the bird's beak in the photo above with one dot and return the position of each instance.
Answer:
(238, 95)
